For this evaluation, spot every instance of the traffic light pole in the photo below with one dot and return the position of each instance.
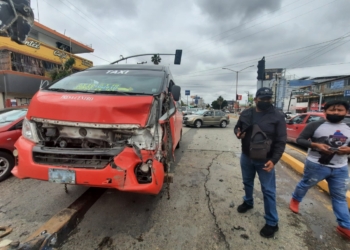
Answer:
(150, 54)
(237, 78)
(178, 55)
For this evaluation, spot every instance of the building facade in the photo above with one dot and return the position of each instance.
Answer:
(24, 68)
(323, 90)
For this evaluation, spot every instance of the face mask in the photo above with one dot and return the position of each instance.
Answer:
(335, 118)
(263, 105)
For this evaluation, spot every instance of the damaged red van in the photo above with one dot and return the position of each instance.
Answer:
(112, 126)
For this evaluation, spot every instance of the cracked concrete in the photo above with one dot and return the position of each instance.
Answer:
(199, 214)
(210, 205)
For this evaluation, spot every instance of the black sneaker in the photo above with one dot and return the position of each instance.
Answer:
(268, 231)
(244, 207)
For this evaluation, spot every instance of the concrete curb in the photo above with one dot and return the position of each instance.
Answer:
(299, 167)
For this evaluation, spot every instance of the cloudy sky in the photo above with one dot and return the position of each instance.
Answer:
(307, 37)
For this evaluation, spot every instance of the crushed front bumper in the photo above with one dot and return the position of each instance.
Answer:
(118, 174)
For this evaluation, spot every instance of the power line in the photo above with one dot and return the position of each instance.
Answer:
(100, 58)
(249, 71)
(77, 22)
(314, 54)
(321, 65)
(247, 27)
(100, 28)
(266, 28)
(327, 51)
(288, 52)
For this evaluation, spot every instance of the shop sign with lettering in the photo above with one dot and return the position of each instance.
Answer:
(32, 44)
(60, 54)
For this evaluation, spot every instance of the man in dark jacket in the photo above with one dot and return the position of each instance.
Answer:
(273, 124)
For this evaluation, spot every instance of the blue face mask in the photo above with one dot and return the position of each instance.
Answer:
(263, 105)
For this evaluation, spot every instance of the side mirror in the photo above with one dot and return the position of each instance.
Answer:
(176, 92)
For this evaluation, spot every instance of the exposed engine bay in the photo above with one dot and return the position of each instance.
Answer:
(84, 137)
(94, 145)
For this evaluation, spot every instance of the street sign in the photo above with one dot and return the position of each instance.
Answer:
(347, 93)
(187, 92)
(271, 73)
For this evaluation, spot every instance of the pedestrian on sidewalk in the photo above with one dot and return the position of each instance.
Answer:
(262, 130)
(327, 159)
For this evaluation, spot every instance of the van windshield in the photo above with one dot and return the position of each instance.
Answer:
(112, 81)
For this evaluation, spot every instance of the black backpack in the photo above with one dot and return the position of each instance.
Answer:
(258, 150)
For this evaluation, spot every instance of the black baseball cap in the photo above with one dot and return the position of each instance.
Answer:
(264, 93)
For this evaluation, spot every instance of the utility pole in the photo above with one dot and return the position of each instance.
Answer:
(237, 79)
(320, 103)
(290, 99)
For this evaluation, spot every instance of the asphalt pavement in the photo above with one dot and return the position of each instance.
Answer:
(201, 212)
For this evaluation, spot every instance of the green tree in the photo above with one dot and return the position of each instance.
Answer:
(183, 104)
(219, 103)
(64, 70)
(156, 59)
(250, 98)
(220, 100)
(207, 106)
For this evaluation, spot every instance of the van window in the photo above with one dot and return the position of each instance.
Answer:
(128, 81)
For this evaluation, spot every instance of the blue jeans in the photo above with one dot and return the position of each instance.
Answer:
(268, 186)
(337, 179)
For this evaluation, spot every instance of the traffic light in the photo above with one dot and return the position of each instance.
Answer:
(178, 54)
(261, 69)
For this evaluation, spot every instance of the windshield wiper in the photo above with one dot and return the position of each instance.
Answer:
(71, 90)
(135, 93)
(109, 92)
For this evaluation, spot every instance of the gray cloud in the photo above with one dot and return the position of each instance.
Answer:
(212, 34)
(223, 10)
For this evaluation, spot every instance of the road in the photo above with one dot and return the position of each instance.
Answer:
(199, 214)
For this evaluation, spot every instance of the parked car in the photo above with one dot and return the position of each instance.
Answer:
(190, 111)
(11, 120)
(298, 123)
(207, 118)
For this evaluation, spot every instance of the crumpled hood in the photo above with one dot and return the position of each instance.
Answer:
(90, 108)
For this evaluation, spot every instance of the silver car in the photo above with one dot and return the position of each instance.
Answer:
(207, 118)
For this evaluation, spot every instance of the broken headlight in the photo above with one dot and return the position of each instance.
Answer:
(29, 131)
